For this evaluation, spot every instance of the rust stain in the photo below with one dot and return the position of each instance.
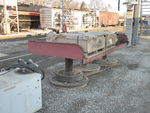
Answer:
(10, 88)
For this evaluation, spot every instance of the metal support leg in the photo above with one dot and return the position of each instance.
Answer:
(67, 78)
(68, 66)
(104, 57)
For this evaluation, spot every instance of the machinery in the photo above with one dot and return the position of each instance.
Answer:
(86, 47)
(20, 88)
(7, 21)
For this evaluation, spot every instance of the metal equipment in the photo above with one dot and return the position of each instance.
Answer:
(70, 51)
(8, 23)
(145, 18)
(132, 21)
(20, 88)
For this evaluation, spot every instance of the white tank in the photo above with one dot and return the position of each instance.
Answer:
(46, 18)
(8, 2)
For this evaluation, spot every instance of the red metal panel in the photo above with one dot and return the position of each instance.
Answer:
(108, 18)
(12, 12)
(98, 56)
(72, 51)
(103, 17)
(63, 50)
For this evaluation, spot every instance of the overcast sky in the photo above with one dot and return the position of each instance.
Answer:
(113, 4)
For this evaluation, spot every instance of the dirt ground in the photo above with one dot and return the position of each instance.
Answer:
(125, 88)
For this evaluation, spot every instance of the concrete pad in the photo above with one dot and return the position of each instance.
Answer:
(23, 35)
(145, 37)
(3, 55)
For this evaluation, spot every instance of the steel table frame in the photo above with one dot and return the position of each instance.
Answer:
(68, 51)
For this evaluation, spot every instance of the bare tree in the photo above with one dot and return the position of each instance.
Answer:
(97, 4)
(37, 2)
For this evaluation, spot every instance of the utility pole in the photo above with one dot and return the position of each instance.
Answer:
(118, 5)
(62, 21)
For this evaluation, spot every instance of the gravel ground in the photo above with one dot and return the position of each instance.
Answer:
(125, 88)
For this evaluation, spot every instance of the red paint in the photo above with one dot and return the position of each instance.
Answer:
(63, 50)
(34, 13)
(12, 12)
(64, 28)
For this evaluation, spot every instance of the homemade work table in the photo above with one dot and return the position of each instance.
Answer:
(70, 51)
